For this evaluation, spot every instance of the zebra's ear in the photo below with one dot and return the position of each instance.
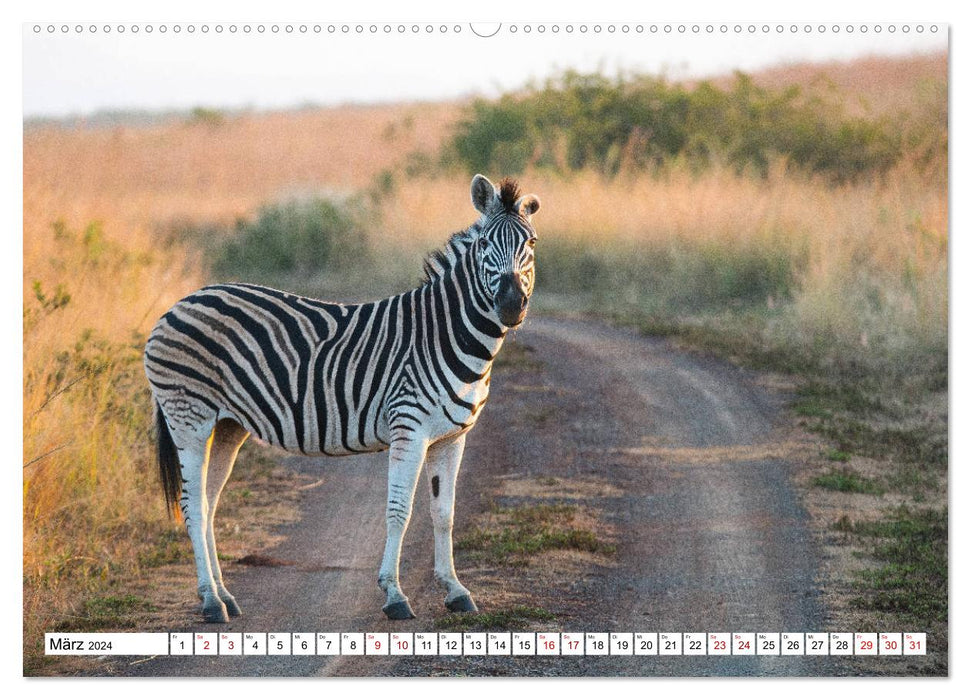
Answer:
(528, 205)
(484, 194)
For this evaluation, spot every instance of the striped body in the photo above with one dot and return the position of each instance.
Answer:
(322, 378)
(409, 374)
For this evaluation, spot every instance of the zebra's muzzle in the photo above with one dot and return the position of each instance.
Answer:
(511, 300)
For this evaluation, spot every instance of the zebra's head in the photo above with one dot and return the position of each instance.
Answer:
(505, 246)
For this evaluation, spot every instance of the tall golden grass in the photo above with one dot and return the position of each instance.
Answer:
(99, 269)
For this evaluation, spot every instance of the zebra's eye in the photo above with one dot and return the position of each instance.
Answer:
(531, 242)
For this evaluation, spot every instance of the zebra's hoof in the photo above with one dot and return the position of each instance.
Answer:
(231, 606)
(399, 611)
(463, 603)
(215, 611)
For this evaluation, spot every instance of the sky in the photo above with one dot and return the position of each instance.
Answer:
(219, 65)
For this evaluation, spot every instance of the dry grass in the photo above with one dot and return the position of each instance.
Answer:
(203, 171)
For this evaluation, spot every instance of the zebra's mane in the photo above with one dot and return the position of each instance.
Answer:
(509, 193)
(439, 262)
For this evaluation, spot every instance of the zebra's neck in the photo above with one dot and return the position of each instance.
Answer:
(460, 298)
(438, 263)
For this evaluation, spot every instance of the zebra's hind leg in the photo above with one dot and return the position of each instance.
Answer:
(444, 460)
(194, 448)
(228, 436)
(404, 464)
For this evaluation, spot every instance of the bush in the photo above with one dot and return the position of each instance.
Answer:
(579, 121)
(297, 236)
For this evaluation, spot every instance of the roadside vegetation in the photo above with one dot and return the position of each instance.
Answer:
(515, 534)
(517, 617)
(794, 224)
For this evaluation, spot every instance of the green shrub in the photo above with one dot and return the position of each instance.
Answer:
(297, 236)
(578, 121)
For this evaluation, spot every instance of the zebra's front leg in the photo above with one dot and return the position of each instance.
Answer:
(404, 464)
(444, 460)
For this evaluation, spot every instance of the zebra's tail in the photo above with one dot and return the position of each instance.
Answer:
(169, 468)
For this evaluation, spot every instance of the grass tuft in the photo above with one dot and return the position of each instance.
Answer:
(517, 617)
(107, 612)
(523, 531)
(848, 482)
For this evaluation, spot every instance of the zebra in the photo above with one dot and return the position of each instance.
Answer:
(409, 374)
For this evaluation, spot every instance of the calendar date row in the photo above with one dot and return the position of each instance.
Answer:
(489, 644)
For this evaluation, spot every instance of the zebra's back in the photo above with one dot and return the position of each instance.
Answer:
(299, 373)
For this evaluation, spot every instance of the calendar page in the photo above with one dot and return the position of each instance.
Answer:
(517, 348)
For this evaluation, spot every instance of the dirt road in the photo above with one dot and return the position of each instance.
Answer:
(681, 459)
